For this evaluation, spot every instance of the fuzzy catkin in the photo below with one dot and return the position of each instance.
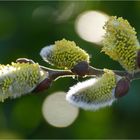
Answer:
(64, 54)
(94, 93)
(120, 42)
(18, 79)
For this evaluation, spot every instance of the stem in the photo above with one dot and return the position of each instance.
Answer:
(55, 73)
(94, 71)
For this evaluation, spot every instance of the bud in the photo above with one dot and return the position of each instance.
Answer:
(43, 85)
(94, 93)
(122, 87)
(121, 43)
(18, 79)
(64, 54)
(81, 68)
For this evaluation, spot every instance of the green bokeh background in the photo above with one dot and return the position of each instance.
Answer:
(26, 27)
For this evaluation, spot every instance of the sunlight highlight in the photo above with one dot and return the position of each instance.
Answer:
(89, 26)
(57, 111)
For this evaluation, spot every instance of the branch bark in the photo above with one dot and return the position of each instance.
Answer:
(55, 73)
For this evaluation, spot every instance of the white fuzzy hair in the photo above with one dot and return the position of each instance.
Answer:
(44, 53)
(87, 106)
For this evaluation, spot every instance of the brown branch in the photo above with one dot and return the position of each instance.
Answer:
(81, 69)
(55, 73)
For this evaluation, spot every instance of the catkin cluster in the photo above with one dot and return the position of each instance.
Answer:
(120, 43)
(90, 94)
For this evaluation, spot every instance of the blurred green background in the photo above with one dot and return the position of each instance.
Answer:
(26, 27)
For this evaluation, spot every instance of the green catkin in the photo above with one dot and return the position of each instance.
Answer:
(64, 54)
(18, 79)
(94, 93)
(120, 42)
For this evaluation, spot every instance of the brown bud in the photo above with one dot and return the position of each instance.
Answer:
(122, 87)
(25, 60)
(45, 84)
(81, 68)
(138, 58)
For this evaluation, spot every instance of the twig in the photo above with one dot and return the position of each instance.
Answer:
(55, 73)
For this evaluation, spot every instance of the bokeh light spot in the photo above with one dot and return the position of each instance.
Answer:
(89, 26)
(57, 111)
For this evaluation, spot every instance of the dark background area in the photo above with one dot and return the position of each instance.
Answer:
(26, 27)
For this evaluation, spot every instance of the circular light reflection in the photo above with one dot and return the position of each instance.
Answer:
(89, 26)
(57, 111)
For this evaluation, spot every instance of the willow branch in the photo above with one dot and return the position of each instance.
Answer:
(55, 73)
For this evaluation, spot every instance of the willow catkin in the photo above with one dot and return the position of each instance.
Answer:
(18, 79)
(94, 93)
(120, 42)
(64, 54)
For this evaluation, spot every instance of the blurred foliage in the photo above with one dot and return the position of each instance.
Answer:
(26, 27)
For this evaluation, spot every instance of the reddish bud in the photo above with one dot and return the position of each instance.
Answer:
(81, 68)
(45, 84)
(122, 87)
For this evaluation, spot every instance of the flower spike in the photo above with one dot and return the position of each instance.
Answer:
(64, 54)
(94, 93)
(99, 92)
(18, 79)
(121, 43)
